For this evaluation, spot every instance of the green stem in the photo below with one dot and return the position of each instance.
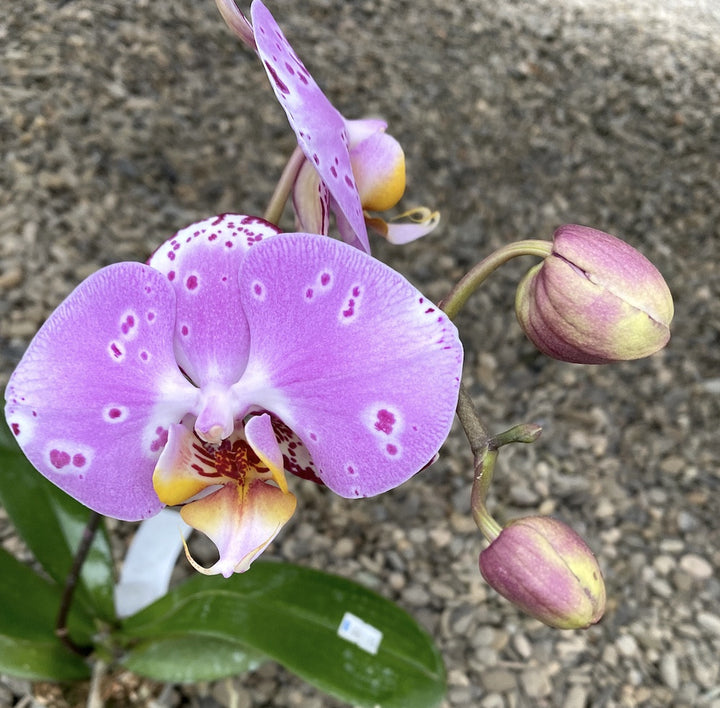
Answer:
(484, 469)
(275, 207)
(61, 628)
(470, 282)
(474, 428)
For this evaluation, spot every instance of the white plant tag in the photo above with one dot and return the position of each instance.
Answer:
(360, 633)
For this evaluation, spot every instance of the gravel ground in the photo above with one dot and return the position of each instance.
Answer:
(121, 122)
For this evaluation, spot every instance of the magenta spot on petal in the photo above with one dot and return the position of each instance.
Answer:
(79, 460)
(278, 81)
(171, 275)
(59, 459)
(160, 440)
(171, 255)
(150, 316)
(313, 437)
(212, 237)
(114, 413)
(385, 422)
(115, 350)
(316, 159)
(16, 428)
(349, 182)
(333, 171)
(184, 331)
(144, 355)
(356, 291)
(309, 293)
(228, 244)
(350, 469)
(324, 279)
(391, 449)
(192, 282)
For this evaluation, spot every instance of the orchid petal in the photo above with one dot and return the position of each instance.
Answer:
(296, 457)
(201, 263)
(92, 399)
(320, 129)
(362, 128)
(241, 520)
(261, 438)
(424, 220)
(184, 468)
(367, 376)
(311, 201)
(378, 163)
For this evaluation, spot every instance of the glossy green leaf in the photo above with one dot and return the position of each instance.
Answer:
(52, 524)
(186, 658)
(28, 646)
(292, 614)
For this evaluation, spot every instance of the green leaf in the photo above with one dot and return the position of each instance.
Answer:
(52, 524)
(28, 645)
(186, 658)
(291, 614)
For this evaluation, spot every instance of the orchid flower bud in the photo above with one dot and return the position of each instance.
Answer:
(594, 300)
(543, 567)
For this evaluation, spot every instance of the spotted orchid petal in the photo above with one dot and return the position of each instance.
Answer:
(241, 520)
(320, 129)
(311, 201)
(92, 399)
(365, 370)
(201, 263)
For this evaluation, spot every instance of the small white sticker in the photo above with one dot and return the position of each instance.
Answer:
(364, 635)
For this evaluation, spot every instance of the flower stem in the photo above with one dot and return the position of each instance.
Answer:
(469, 283)
(485, 452)
(275, 207)
(61, 628)
(484, 469)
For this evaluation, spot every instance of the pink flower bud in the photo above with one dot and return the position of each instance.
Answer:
(594, 300)
(543, 567)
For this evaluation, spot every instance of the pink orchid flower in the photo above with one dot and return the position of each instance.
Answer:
(351, 167)
(234, 356)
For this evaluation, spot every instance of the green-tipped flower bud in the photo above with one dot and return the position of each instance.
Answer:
(594, 300)
(543, 567)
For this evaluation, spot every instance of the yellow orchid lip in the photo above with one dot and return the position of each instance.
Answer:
(252, 502)
(241, 520)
